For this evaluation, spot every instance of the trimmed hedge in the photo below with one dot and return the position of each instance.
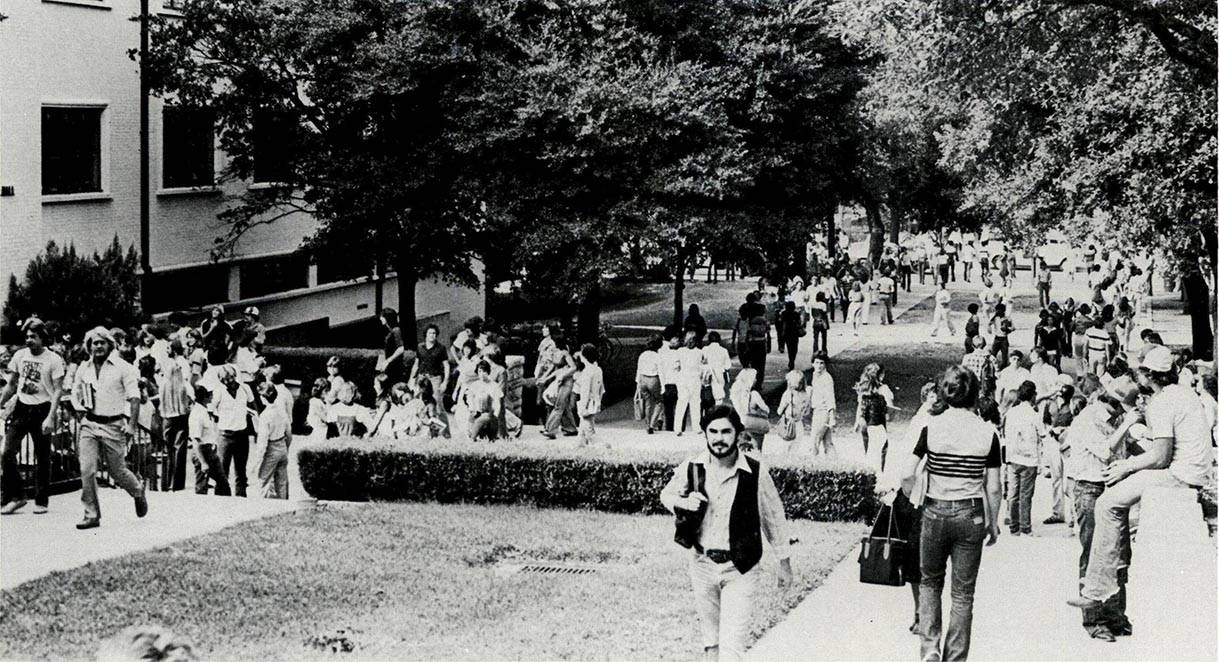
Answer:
(463, 472)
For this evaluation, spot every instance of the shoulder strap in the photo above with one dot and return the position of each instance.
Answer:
(696, 478)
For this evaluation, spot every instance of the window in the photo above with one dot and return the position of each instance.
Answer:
(193, 287)
(71, 150)
(342, 267)
(176, 5)
(273, 135)
(274, 274)
(188, 142)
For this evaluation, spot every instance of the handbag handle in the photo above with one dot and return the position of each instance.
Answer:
(888, 530)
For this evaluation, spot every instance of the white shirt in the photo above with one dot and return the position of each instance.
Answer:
(232, 409)
(1177, 412)
(1045, 376)
(690, 364)
(1022, 430)
(1010, 379)
(668, 365)
(822, 388)
(718, 361)
(201, 427)
(37, 375)
(648, 364)
(273, 424)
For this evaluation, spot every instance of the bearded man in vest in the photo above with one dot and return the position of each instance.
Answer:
(726, 503)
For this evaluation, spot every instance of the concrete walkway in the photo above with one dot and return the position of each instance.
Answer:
(1020, 610)
(37, 545)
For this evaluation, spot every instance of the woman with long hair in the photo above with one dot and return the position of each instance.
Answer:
(750, 406)
(874, 401)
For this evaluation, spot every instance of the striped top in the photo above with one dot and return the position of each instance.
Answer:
(1098, 339)
(959, 448)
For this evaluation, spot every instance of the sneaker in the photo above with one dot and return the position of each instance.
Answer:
(12, 506)
(1054, 520)
(1102, 633)
(40, 509)
(1081, 602)
(548, 435)
(89, 523)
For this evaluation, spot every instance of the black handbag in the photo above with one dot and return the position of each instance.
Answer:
(882, 553)
(686, 523)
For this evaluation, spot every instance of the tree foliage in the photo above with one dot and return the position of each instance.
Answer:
(76, 291)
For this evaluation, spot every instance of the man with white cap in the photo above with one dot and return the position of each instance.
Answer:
(1095, 444)
(107, 390)
(1177, 454)
(255, 328)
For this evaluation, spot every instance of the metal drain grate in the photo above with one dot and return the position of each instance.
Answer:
(543, 569)
(551, 569)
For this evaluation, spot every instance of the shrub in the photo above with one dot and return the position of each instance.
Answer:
(77, 291)
(624, 482)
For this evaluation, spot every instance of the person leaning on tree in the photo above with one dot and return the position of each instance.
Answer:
(726, 503)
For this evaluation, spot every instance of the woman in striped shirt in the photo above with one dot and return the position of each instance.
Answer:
(960, 498)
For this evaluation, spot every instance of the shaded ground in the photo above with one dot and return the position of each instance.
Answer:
(402, 581)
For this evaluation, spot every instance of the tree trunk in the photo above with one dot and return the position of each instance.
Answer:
(894, 224)
(588, 317)
(407, 280)
(876, 230)
(1197, 303)
(831, 232)
(679, 289)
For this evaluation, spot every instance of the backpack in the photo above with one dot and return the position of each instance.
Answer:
(757, 329)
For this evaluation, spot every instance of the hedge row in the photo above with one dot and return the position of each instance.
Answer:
(459, 472)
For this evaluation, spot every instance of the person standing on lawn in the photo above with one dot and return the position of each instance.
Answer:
(960, 509)
(432, 360)
(107, 391)
(35, 377)
(590, 388)
(727, 503)
(1178, 454)
(942, 315)
(823, 405)
(1000, 326)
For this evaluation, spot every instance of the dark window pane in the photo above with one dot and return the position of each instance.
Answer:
(188, 139)
(333, 269)
(273, 136)
(174, 4)
(71, 150)
(193, 287)
(274, 274)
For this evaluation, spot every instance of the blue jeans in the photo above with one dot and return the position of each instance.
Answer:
(1112, 613)
(1020, 496)
(951, 529)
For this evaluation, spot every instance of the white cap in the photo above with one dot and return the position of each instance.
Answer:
(250, 310)
(1159, 359)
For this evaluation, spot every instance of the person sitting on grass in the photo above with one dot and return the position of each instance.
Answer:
(483, 401)
(349, 418)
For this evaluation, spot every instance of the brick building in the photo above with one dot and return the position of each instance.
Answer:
(70, 171)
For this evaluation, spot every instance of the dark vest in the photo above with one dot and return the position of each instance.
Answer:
(744, 522)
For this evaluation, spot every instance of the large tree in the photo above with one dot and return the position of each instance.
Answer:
(382, 115)
(1094, 117)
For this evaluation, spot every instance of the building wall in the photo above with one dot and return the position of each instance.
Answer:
(75, 51)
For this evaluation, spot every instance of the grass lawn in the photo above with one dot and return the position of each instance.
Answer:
(403, 581)
(654, 304)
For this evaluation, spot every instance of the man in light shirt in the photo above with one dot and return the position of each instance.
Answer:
(1010, 378)
(667, 356)
(690, 366)
(1023, 429)
(726, 503)
(1095, 444)
(822, 405)
(590, 387)
(1178, 454)
(718, 364)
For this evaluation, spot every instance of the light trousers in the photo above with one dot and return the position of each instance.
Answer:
(106, 442)
(723, 598)
(689, 400)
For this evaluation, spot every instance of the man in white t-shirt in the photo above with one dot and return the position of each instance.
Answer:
(1011, 377)
(35, 377)
(1179, 454)
(718, 365)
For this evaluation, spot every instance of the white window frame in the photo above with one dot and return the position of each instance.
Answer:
(103, 148)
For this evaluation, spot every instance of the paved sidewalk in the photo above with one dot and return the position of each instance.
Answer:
(1020, 610)
(37, 545)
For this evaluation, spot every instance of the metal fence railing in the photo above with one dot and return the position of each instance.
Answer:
(147, 457)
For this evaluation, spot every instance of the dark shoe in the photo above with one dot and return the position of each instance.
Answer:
(13, 506)
(651, 431)
(1027, 532)
(141, 506)
(1054, 520)
(570, 434)
(1102, 633)
(1015, 532)
(1081, 602)
(89, 523)
(914, 627)
(548, 435)
(1121, 629)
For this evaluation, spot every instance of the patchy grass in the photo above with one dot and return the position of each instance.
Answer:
(403, 581)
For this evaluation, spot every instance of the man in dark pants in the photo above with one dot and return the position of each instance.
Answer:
(669, 376)
(1094, 445)
(35, 376)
